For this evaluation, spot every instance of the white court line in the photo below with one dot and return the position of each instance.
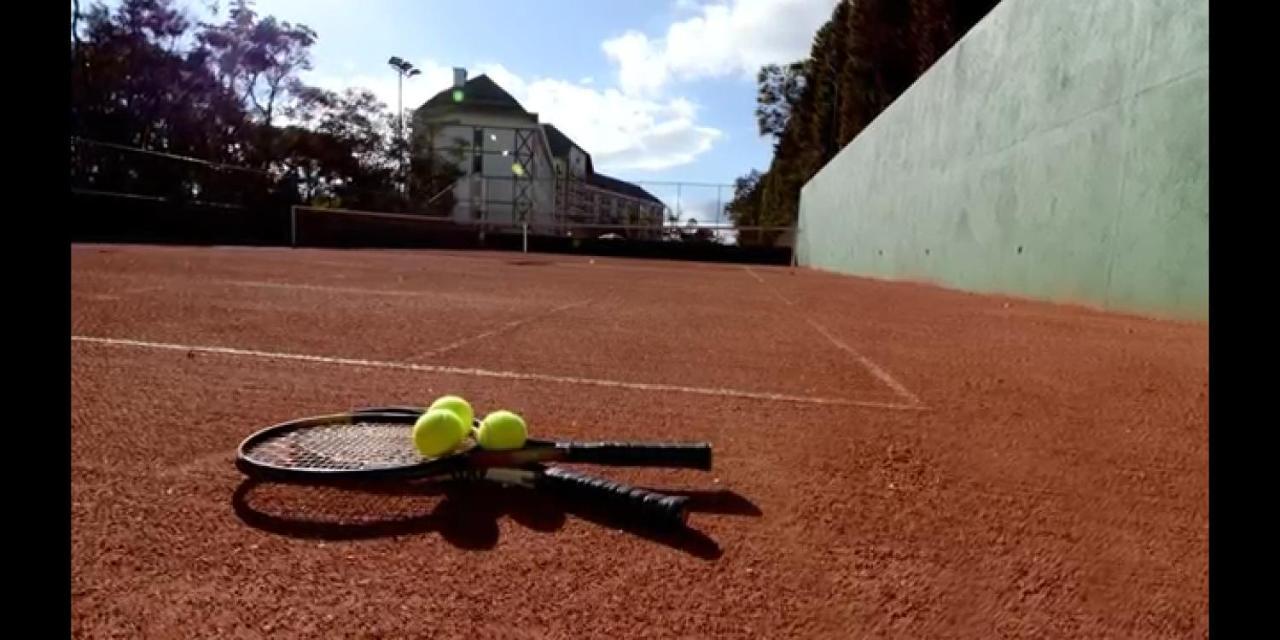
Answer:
(118, 295)
(866, 362)
(504, 375)
(772, 290)
(502, 329)
(875, 370)
(328, 289)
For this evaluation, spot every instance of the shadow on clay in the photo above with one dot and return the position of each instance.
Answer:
(464, 515)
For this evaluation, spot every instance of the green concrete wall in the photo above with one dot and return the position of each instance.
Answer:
(1059, 151)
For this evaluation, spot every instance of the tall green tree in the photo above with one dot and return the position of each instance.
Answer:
(861, 60)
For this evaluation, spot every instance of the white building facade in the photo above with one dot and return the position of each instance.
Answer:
(517, 171)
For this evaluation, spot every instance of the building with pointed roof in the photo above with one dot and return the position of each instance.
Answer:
(517, 170)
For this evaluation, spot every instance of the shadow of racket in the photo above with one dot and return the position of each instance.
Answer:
(465, 515)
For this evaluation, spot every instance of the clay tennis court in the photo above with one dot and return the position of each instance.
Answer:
(892, 460)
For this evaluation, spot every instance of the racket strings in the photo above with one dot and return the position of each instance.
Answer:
(346, 447)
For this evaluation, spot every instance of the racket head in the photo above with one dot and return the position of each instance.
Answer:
(344, 446)
(377, 444)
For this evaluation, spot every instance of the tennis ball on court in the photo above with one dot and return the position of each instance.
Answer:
(438, 432)
(458, 406)
(502, 430)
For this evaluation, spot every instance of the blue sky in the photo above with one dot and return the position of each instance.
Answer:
(654, 89)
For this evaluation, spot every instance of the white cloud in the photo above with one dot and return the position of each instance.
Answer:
(723, 38)
(639, 125)
(640, 67)
(620, 130)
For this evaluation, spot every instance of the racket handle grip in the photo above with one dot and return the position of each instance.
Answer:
(654, 509)
(681, 455)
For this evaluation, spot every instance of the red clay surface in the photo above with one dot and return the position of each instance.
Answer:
(963, 466)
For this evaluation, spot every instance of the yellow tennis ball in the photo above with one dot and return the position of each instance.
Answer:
(502, 430)
(458, 406)
(438, 432)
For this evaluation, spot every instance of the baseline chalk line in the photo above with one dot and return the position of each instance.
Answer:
(487, 373)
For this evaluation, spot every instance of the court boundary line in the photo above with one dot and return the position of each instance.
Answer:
(300, 286)
(721, 392)
(867, 363)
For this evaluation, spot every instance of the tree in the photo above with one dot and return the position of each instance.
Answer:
(258, 60)
(132, 85)
(145, 76)
(433, 171)
(779, 88)
(861, 60)
(744, 208)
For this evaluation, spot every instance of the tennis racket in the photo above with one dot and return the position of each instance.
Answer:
(377, 445)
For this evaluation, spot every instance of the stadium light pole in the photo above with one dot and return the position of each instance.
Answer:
(404, 69)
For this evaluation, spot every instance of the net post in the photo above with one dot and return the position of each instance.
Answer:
(524, 236)
(293, 226)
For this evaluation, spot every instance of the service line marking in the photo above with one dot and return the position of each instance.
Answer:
(329, 289)
(876, 370)
(501, 329)
(773, 290)
(487, 373)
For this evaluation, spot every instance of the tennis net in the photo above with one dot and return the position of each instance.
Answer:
(324, 226)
